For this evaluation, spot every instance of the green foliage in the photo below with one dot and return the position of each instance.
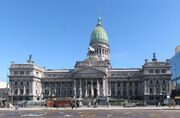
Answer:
(117, 101)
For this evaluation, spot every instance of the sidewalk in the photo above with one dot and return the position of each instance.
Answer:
(99, 108)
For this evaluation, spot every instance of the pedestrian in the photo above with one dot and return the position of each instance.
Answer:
(16, 107)
(89, 103)
(108, 104)
(159, 104)
(174, 104)
(156, 104)
(77, 102)
(72, 106)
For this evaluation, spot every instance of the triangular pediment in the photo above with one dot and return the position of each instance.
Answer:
(88, 72)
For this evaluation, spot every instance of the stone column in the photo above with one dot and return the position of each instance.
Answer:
(61, 94)
(24, 92)
(49, 89)
(109, 88)
(103, 87)
(122, 88)
(145, 87)
(169, 87)
(18, 90)
(139, 88)
(133, 89)
(148, 86)
(86, 87)
(115, 89)
(92, 89)
(98, 88)
(80, 88)
(74, 89)
(154, 85)
(127, 90)
(160, 81)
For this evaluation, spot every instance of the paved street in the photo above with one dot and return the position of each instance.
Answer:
(96, 113)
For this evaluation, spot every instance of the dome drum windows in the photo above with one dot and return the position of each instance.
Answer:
(102, 51)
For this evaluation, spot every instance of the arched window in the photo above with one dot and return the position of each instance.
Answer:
(151, 91)
(21, 92)
(124, 84)
(157, 82)
(27, 91)
(21, 83)
(16, 92)
(15, 83)
(164, 82)
(151, 82)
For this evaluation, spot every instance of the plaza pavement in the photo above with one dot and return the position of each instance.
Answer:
(98, 108)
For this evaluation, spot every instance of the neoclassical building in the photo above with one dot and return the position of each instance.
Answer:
(92, 77)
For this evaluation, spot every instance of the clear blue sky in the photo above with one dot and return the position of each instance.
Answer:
(57, 32)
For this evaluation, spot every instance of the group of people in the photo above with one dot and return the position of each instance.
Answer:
(75, 104)
(96, 103)
(171, 103)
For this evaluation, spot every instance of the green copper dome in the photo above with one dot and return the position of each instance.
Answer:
(99, 34)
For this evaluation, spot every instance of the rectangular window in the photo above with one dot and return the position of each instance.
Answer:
(54, 76)
(21, 72)
(163, 70)
(157, 71)
(151, 71)
(130, 84)
(124, 84)
(15, 72)
(27, 72)
(49, 75)
(119, 92)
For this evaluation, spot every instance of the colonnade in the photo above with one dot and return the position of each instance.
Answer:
(89, 88)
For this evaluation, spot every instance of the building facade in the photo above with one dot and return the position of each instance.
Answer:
(175, 68)
(92, 77)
